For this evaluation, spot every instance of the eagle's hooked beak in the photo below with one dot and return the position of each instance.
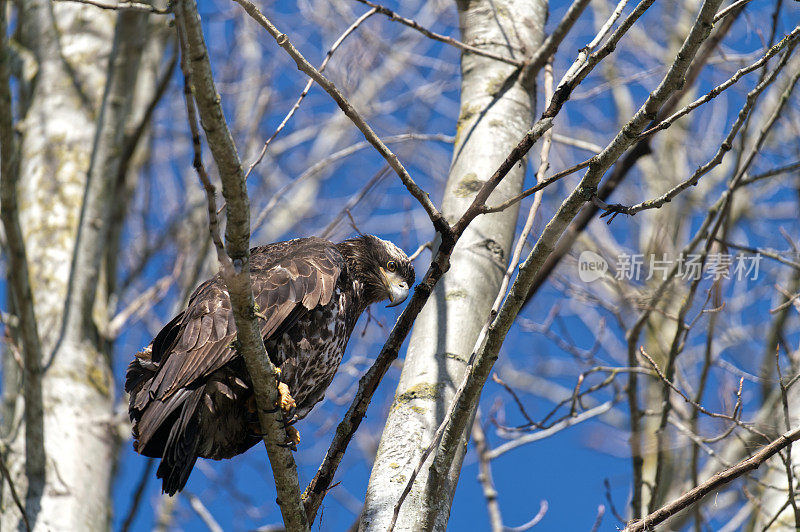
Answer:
(396, 286)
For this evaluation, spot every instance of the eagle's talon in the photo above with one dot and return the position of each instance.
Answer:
(288, 445)
(292, 439)
(293, 436)
(285, 400)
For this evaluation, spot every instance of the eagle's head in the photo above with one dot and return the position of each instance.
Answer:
(383, 268)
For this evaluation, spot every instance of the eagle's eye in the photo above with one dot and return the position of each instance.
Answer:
(391, 266)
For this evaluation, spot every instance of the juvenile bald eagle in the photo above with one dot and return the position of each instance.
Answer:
(190, 393)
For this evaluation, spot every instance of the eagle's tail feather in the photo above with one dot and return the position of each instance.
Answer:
(181, 449)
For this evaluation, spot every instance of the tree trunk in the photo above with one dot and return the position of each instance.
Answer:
(496, 111)
(67, 170)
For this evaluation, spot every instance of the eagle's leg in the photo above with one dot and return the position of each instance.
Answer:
(285, 400)
(288, 405)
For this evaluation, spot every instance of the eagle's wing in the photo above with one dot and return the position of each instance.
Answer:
(288, 280)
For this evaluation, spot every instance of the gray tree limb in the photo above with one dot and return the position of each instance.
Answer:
(487, 353)
(21, 294)
(496, 110)
(235, 268)
(59, 122)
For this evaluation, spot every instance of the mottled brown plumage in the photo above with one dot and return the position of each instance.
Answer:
(190, 394)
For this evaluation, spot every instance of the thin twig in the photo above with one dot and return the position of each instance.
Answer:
(543, 507)
(486, 209)
(143, 301)
(787, 420)
(613, 209)
(420, 249)
(123, 6)
(316, 168)
(203, 513)
(716, 91)
(769, 173)
(514, 396)
(422, 197)
(485, 475)
(355, 200)
(720, 479)
(197, 150)
(437, 37)
(734, 6)
(307, 88)
(550, 45)
(577, 143)
(686, 398)
(554, 429)
(14, 495)
(136, 499)
(764, 252)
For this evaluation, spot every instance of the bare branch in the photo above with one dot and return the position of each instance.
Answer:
(441, 38)
(733, 7)
(307, 88)
(546, 433)
(236, 270)
(13, 489)
(485, 475)
(543, 507)
(720, 479)
(436, 217)
(316, 168)
(203, 513)
(552, 42)
(716, 91)
(123, 6)
(726, 145)
(136, 499)
(540, 185)
(775, 171)
(733, 417)
(580, 144)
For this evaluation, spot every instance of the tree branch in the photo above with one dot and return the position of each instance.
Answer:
(20, 287)
(236, 273)
(95, 216)
(123, 6)
(552, 42)
(436, 217)
(466, 398)
(720, 479)
(441, 38)
(307, 88)
(613, 209)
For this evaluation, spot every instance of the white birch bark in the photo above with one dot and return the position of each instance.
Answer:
(496, 111)
(60, 147)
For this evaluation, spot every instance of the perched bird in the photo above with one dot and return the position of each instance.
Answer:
(190, 393)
